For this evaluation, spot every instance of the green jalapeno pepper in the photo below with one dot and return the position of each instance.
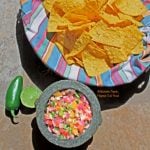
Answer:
(12, 102)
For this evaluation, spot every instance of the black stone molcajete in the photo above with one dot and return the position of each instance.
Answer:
(95, 107)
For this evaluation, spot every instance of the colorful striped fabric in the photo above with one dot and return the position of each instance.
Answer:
(35, 23)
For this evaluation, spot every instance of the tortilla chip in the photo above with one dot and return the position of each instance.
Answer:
(78, 61)
(96, 34)
(116, 55)
(101, 3)
(130, 18)
(75, 17)
(56, 23)
(131, 7)
(67, 39)
(138, 48)
(110, 10)
(80, 44)
(69, 5)
(70, 61)
(48, 5)
(92, 3)
(93, 65)
(95, 50)
(111, 19)
(101, 33)
(132, 36)
(88, 11)
(83, 27)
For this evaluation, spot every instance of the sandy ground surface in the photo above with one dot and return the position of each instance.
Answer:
(126, 119)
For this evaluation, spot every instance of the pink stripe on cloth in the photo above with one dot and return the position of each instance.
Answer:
(141, 66)
(146, 2)
(27, 17)
(87, 80)
(37, 32)
(131, 66)
(116, 76)
(61, 66)
(36, 48)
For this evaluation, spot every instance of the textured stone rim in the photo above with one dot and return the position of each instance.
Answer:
(95, 106)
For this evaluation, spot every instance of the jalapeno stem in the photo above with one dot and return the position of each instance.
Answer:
(13, 117)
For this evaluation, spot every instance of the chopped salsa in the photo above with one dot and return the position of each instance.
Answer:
(68, 114)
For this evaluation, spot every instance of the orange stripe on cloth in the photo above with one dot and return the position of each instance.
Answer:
(147, 13)
(23, 1)
(48, 52)
(99, 80)
(49, 49)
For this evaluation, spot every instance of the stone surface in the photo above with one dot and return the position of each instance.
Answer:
(9, 57)
(124, 128)
(125, 118)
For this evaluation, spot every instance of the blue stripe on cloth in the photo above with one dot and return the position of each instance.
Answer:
(36, 13)
(27, 6)
(145, 64)
(93, 81)
(106, 78)
(82, 75)
(148, 6)
(123, 76)
(54, 58)
(43, 48)
(136, 68)
(146, 21)
(67, 71)
(41, 30)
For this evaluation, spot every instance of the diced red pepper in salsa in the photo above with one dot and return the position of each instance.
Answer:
(68, 114)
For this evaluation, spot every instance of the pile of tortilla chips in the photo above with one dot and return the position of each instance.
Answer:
(96, 34)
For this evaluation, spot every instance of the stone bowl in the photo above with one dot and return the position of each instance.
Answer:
(95, 108)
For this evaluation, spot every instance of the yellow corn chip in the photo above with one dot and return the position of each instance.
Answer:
(75, 17)
(91, 13)
(56, 23)
(82, 27)
(138, 48)
(70, 61)
(57, 8)
(69, 5)
(101, 3)
(110, 10)
(111, 19)
(48, 5)
(129, 18)
(131, 7)
(78, 61)
(67, 39)
(96, 34)
(101, 33)
(116, 55)
(93, 65)
(132, 36)
(80, 44)
(92, 3)
(95, 50)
